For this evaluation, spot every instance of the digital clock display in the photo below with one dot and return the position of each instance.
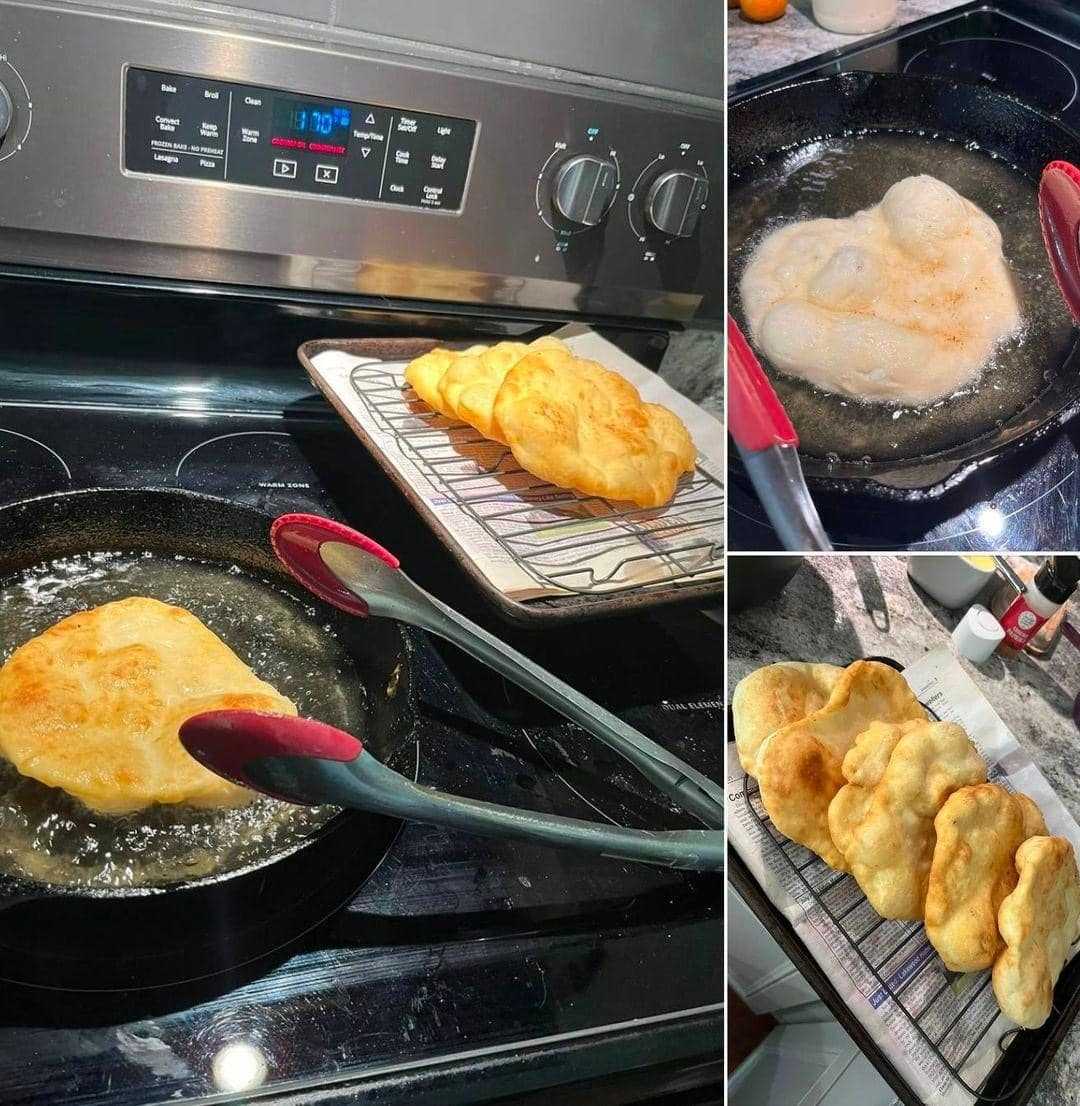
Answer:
(311, 125)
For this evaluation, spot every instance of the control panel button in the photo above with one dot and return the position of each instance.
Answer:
(245, 134)
(7, 112)
(674, 202)
(427, 160)
(182, 128)
(585, 188)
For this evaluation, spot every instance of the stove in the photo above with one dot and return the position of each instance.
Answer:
(1027, 500)
(465, 968)
(149, 340)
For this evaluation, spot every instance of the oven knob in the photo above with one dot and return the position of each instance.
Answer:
(585, 188)
(7, 112)
(674, 202)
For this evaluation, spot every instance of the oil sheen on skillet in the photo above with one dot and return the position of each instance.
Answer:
(841, 160)
(49, 836)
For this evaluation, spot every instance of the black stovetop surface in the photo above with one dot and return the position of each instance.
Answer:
(465, 969)
(1027, 500)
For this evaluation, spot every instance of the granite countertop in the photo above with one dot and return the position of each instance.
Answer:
(837, 609)
(692, 365)
(755, 48)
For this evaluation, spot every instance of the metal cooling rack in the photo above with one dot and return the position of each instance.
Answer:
(460, 464)
(902, 963)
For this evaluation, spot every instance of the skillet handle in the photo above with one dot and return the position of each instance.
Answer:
(367, 784)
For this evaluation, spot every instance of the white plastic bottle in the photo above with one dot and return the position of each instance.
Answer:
(855, 17)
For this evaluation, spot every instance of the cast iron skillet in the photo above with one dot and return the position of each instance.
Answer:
(832, 146)
(106, 938)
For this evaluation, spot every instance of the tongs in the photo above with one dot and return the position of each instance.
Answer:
(768, 446)
(305, 761)
(1059, 214)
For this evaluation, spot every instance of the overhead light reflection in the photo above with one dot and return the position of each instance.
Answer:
(991, 521)
(239, 1066)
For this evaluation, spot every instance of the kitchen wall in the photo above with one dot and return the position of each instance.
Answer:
(633, 41)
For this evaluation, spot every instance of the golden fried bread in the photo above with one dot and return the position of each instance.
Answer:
(471, 383)
(978, 832)
(567, 420)
(774, 696)
(469, 386)
(93, 705)
(462, 384)
(882, 819)
(799, 766)
(1039, 922)
(578, 425)
(425, 374)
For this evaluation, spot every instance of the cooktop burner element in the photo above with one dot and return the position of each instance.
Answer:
(29, 467)
(261, 465)
(1030, 72)
(1026, 497)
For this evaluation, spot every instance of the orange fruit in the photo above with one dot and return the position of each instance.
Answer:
(763, 11)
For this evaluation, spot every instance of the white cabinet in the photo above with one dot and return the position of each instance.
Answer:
(807, 1060)
(764, 977)
(808, 1065)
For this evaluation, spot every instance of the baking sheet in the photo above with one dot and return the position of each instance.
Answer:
(942, 685)
(537, 541)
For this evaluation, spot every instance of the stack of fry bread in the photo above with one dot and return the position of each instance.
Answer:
(850, 765)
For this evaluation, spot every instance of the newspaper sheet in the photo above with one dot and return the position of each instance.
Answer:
(529, 539)
(919, 1000)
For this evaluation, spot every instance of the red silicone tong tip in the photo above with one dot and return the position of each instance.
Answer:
(227, 741)
(1059, 214)
(756, 417)
(296, 540)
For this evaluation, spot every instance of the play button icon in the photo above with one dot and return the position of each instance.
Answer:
(365, 150)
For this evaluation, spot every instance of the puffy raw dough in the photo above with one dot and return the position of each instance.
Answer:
(978, 832)
(799, 766)
(94, 704)
(1039, 922)
(775, 696)
(901, 303)
(882, 819)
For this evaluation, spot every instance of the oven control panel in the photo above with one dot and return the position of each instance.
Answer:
(182, 126)
(218, 154)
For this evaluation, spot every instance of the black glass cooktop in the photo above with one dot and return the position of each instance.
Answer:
(465, 969)
(1026, 499)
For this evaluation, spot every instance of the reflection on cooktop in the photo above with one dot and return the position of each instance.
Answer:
(1023, 504)
(29, 467)
(1023, 70)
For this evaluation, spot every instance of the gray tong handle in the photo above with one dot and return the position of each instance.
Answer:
(368, 784)
(777, 476)
(688, 787)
